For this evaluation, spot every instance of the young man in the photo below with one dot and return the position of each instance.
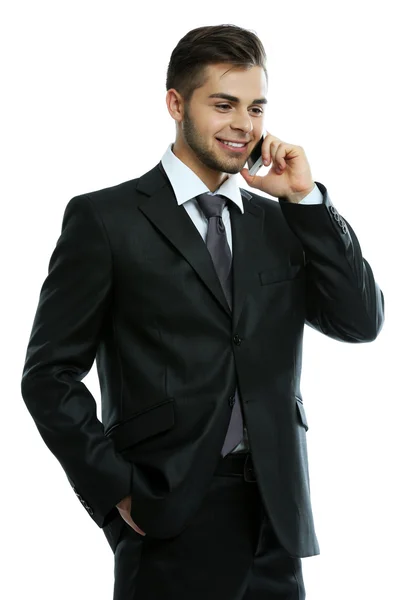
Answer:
(192, 295)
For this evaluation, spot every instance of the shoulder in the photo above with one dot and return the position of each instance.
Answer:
(107, 202)
(113, 193)
(265, 204)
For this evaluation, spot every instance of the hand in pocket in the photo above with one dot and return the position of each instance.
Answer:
(124, 508)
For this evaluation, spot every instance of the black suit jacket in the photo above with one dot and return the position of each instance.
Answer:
(132, 284)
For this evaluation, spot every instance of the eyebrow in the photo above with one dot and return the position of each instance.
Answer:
(234, 99)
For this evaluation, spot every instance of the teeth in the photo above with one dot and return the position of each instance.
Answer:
(233, 144)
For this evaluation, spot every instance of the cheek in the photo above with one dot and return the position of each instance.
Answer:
(216, 123)
(219, 129)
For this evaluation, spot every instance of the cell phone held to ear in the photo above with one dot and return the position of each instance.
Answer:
(255, 161)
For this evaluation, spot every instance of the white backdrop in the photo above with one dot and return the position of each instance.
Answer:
(83, 108)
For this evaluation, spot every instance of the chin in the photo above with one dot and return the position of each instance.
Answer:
(232, 170)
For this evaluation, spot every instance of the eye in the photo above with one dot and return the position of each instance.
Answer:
(228, 105)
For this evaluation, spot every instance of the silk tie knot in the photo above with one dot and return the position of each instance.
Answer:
(211, 206)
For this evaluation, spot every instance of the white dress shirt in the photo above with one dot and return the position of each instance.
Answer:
(187, 185)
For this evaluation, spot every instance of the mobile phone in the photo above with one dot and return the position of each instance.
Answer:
(255, 161)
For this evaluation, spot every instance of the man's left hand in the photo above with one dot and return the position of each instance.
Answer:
(293, 182)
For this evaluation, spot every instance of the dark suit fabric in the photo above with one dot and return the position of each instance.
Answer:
(228, 551)
(132, 284)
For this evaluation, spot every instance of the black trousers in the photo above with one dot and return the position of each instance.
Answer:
(228, 552)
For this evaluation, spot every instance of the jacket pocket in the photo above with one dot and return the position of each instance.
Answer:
(143, 425)
(302, 413)
(281, 273)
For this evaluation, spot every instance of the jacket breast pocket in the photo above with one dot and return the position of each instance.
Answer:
(281, 273)
(143, 425)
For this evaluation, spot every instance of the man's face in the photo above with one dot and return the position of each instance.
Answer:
(208, 120)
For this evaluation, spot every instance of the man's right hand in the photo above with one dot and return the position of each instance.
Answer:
(124, 508)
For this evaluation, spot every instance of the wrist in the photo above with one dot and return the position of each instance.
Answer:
(124, 504)
(297, 197)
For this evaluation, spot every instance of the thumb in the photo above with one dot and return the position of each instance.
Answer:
(253, 180)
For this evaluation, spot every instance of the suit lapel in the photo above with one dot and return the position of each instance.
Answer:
(173, 222)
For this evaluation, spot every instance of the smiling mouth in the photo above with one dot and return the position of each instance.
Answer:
(244, 143)
(234, 149)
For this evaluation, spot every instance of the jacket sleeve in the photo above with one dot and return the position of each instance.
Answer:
(73, 301)
(343, 301)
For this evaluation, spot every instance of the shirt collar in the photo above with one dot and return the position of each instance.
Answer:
(187, 185)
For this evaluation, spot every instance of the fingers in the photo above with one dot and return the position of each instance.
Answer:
(277, 150)
(139, 531)
(274, 150)
(129, 521)
(137, 528)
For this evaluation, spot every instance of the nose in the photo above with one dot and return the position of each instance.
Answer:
(244, 123)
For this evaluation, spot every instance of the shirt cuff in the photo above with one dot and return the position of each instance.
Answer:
(314, 197)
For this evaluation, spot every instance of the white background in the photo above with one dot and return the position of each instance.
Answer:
(83, 108)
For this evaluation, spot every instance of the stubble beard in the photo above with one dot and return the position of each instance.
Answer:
(204, 154)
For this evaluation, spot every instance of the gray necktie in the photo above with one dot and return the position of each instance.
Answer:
(221, 255)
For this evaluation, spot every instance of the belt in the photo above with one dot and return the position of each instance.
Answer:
(238, 464)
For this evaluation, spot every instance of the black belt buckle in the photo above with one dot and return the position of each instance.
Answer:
(249, 474)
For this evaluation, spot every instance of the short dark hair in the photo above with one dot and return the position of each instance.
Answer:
(208, 45)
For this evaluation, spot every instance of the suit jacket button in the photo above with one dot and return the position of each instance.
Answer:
(237, 339)
(231, 401)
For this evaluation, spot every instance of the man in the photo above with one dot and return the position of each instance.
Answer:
(192, 295)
